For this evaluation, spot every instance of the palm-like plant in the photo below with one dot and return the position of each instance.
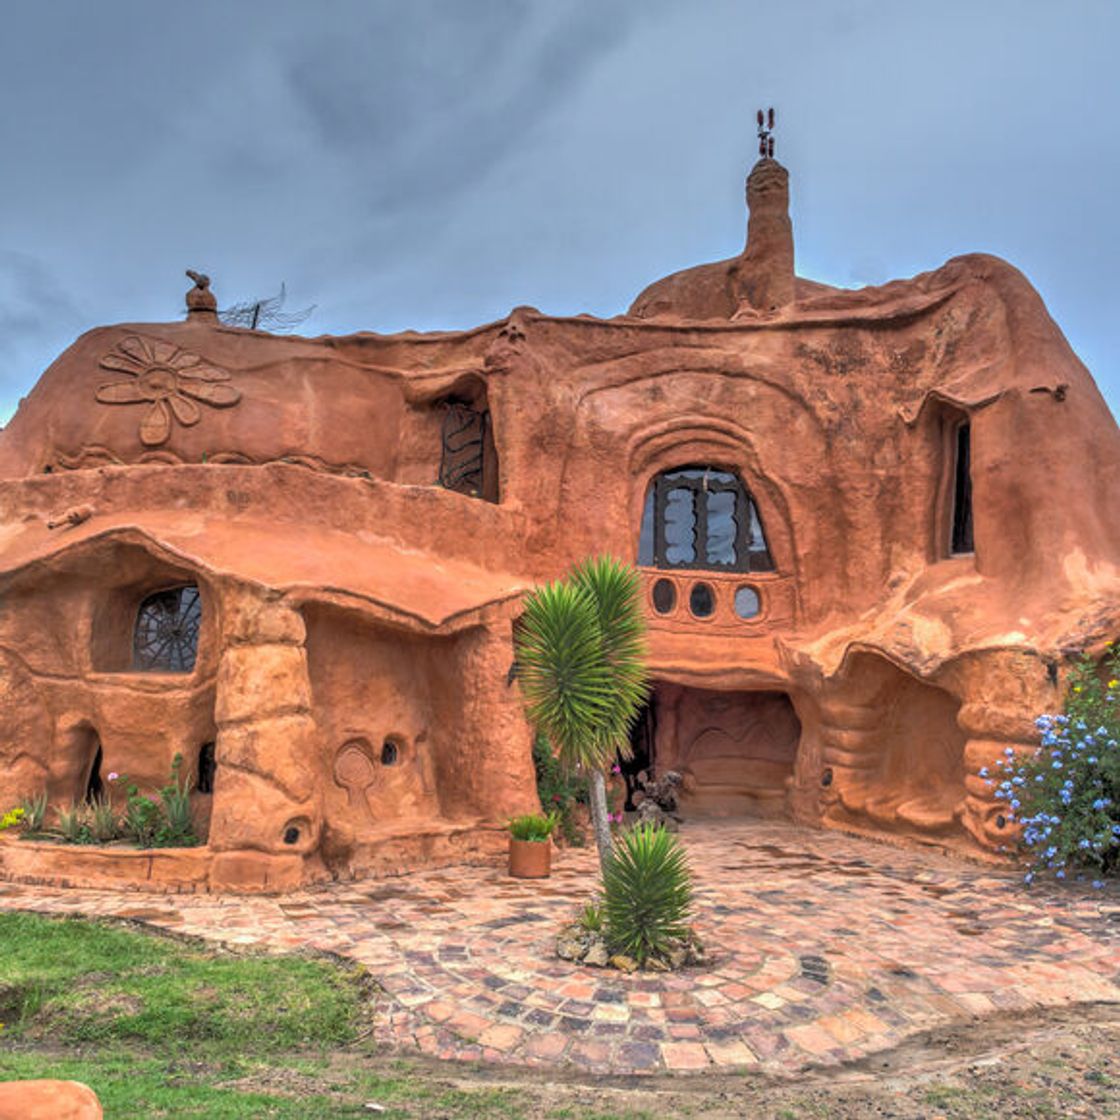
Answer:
(647, 894)
(581, 659)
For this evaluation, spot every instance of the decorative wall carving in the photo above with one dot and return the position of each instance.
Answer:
(169, 380)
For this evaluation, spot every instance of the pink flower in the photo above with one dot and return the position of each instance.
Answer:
(616, 769)
(113, 776)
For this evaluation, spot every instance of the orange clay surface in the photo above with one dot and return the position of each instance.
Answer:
(354, 646)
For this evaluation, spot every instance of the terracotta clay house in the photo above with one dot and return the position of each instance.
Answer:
(872, 528)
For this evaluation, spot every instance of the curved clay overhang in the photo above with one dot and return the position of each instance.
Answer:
(404, 589)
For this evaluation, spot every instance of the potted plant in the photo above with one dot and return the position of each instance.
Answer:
(530, 846)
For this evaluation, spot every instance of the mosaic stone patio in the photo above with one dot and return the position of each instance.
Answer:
(824, 948)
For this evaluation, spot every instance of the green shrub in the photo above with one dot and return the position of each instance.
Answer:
(12, 818)
(647, 893)
(532, 826)
(560, 791)
(102, 821)
(176, 830)
(1067, 796)
(35, 812)
(592, 918)
(73, 825)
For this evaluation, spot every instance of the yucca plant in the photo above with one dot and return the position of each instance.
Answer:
(35, 812)
(647, 893)
(102, 820)
(581, 660)
(73, 824)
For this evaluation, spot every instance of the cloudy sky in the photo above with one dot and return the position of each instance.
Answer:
(433, 163)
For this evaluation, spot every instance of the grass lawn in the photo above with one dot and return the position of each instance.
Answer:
(163, 1027)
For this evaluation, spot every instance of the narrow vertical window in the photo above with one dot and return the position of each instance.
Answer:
(961, 541)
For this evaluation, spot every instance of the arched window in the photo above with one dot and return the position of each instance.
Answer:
(165, 639)
(702, 517)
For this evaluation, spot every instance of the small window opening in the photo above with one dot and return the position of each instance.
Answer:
(95, 787)
(165, 639)
(961, 541)
(390, 753)
(207, 766)
(701, 601)
(704, 518)
(291, 835)
(468, 462)
(664, 596)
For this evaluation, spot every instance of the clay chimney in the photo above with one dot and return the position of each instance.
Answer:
(201, 304)
(764, 276)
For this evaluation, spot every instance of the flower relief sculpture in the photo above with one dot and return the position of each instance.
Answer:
(168, 380)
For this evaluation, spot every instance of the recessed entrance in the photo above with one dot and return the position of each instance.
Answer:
(735, 750)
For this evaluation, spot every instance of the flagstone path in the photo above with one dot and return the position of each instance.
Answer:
(824, 948)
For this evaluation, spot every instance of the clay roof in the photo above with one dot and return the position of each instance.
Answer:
(406, 588)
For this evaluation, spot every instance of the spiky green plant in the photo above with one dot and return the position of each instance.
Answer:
(73, 824)
(102, 820)
(647, 893)
(591, 918)
(35, 812)
(532, 826)
(581, 659)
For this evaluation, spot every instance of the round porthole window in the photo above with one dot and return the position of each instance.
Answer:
(747, 603)
(664, 596)
(701, 600)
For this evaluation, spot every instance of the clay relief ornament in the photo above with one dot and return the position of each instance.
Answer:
(169, 380)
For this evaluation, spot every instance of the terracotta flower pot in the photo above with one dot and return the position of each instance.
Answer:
(530, 859)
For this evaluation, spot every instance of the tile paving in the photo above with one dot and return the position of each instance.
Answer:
(824, 948)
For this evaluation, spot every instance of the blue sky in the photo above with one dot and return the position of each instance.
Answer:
(433, 164)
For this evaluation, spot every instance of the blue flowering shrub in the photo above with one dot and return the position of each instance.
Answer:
(1067, 796)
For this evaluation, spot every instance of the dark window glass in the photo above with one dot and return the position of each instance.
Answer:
(390, 753)
(701, 601)
(463, 459)
(962, 492)
(166, 636)
(207, 766)
(704, 518)
(664, 596)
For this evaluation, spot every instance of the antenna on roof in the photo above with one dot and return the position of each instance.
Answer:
(766, 133)
(264, 314)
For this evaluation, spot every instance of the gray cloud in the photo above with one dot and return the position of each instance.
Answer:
(433, 164)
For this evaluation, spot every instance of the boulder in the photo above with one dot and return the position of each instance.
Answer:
(48, 1100)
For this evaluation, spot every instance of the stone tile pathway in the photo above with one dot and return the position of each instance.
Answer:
(824, 948)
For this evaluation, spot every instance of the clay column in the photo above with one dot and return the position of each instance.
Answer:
(267, 818)
(1004, 692)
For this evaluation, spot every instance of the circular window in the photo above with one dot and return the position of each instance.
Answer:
(390, 753)
(747, 603)
(701, 601)
(664, 596)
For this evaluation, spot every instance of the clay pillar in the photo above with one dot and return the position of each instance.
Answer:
(764, 278)
(267, 816)
(1004, 692)
(485, 768)
(851, 753)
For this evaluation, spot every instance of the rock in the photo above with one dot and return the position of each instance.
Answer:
(597, 955)
(677, 955)
(623, 963)
(48, 1100)
(570, 948)
(656, 964)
